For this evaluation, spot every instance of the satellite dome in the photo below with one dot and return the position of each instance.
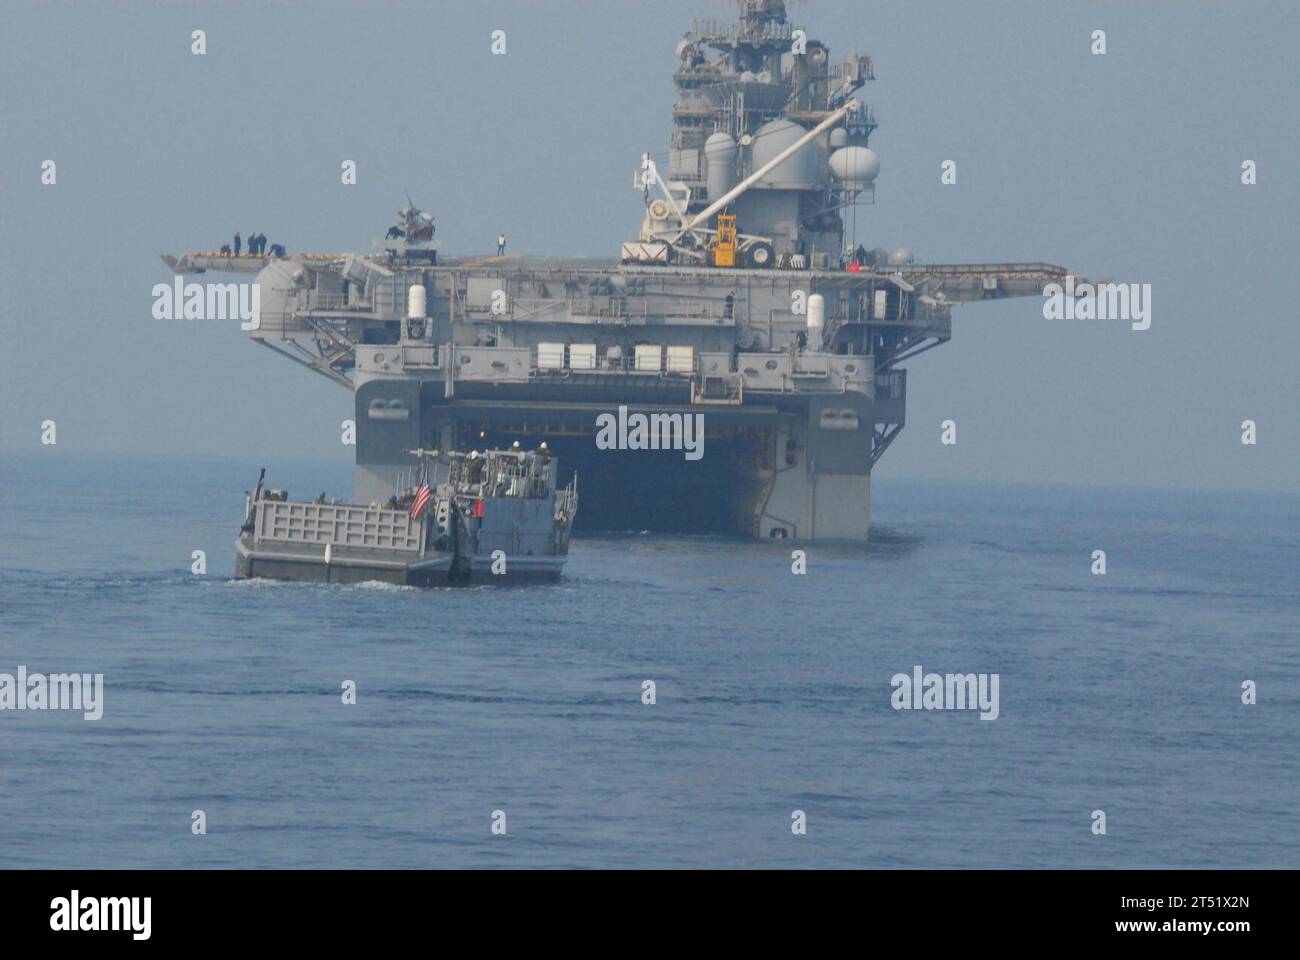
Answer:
(720, 142)
(854, 167)
(839, 138)
(797, 171)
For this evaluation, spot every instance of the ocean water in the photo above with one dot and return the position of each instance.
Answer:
(1119, 693)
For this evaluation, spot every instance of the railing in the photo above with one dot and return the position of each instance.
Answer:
(866, 69)
(500, 475)
(726, 389)
(711, 29)
(607, 364)
(889, 385)
(1028, 269)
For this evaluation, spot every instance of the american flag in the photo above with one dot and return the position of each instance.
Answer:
(422, 495)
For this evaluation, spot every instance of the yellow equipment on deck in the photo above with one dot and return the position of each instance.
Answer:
(723, 246)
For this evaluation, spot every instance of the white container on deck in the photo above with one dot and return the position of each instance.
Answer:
(582, 356)
(417, 307)
(816, 315)
(681, 360)
(649, 357)
(550, 356)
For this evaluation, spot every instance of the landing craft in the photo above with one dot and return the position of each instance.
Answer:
(491, 517)
(751, 215)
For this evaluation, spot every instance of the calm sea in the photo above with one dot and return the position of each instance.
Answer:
(1120, 693)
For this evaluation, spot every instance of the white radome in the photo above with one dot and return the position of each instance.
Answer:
(854, 167)
(816, 313)
(417, 302)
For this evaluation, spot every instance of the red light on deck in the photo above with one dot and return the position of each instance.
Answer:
(478, 509)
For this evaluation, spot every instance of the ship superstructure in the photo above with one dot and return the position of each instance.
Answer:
(738, 299)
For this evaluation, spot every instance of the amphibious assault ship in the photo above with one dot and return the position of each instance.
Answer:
(737, 299)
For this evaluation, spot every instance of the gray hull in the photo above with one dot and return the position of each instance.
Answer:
(294, 563)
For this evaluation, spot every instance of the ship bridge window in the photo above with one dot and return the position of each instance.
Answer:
(838, 420)
(381, 409)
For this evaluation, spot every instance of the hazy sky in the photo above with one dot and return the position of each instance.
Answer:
(1125, 166)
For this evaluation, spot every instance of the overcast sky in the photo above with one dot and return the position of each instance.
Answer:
(1126, 165)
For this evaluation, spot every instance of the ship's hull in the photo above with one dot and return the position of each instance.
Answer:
(777, 466)
(305, 564)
